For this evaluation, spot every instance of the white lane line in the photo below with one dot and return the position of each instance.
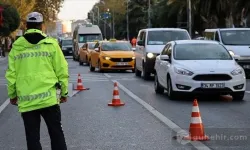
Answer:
(4, 105)
(198, 145)
(107, 75)
(247, 91)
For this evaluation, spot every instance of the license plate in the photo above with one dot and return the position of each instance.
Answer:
(121, 64)
(246, 66)
(212, 85)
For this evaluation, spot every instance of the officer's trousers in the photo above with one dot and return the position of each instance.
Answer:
(52, 118)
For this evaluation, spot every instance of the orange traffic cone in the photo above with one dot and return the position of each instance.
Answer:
(80, 86)
(196, 129)
(116, 98)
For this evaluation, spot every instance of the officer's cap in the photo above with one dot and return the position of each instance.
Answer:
(34, 17)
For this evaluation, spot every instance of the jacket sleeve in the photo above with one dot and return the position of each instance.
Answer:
(60, 66)
(11, 76)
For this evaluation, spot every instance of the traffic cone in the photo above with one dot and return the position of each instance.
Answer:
(116, 98)
(196, 129)
(80, 86)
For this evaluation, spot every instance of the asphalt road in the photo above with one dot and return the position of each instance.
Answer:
(90, 124)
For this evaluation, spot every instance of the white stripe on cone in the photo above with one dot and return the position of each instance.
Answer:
(195, 109)
(116, 88)
(116, 97)
(196, 120)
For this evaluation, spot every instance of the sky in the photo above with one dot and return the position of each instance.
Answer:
(76, 9)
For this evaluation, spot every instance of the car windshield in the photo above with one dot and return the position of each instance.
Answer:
(83, 38)
(116, 46)
(91, 45)
(66, 42)
(201, 51)
(162, 37)
(235, 37)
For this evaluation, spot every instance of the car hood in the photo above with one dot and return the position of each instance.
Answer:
(208, 65)
(156, 49)
(118, 53)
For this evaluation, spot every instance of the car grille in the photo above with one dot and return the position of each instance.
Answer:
(212, 77)
(70, 48)
(121, 59)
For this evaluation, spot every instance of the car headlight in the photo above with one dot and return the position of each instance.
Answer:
(183, 71)
(150, 55)
(231, 53)
(64, 48)
(133, 57)
(106, 57)
(237, 71)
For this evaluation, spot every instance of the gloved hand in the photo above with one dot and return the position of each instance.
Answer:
(13, 101)
(63, 99)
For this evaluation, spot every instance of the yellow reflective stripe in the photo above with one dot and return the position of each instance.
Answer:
(34, 97)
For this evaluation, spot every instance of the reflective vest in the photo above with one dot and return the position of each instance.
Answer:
(33, 71)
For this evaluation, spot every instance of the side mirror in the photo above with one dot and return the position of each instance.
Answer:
(164, 57)
(133, 48)
(97, 49)
(141, 43)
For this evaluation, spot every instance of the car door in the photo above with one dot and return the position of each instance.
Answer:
(162, 66)
(140, 49)
(95, 55)
(165, 65)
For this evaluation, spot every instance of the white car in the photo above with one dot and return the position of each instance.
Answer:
(198, 67)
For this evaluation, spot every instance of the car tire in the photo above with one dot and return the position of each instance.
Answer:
(172, 95)
(90, 67)
(99, 65)
(137, 72)
(80, 63)
(158, 88)
(238, 96)
(145, 74)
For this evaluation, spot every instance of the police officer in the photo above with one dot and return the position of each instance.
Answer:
(36, 65)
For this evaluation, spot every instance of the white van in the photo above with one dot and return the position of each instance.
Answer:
(150, 43)
(85, 33)
(236, 41)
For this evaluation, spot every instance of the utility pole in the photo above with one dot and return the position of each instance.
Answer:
(127, 21)
(113, 19)
(149, 13)
(189, 17)
(93, 15)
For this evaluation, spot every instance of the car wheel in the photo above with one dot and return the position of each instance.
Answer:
(171, 94)
(90, 67)
(80, 63)
(137, 72)
(158, 88)
(145, 74)
(238, 96)
(133, 70)
(99, 65)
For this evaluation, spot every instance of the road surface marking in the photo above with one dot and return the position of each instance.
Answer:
(247, 91)
(4, 105)
(107, 75)
(198, 145)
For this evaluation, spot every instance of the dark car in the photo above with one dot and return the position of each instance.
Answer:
(66, 46)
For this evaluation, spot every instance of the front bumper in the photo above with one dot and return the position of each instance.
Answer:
(115, 64)
(149, 64)
(68, 52)
(187, 84)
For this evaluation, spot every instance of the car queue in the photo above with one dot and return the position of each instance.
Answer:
(181, 66)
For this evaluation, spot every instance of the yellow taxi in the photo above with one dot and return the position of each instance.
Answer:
(84, 53)
(112, 55)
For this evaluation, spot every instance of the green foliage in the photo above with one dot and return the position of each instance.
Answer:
(11, 20)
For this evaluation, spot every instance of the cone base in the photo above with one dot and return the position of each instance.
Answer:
(198, 138)
(81, 89)
(116, 104)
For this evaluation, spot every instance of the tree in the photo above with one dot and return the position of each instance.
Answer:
(11, 20)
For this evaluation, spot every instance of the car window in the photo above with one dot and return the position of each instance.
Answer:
(165, 49)
(201, 51)
(91, 45)
(116, 46)
(169, 51)
(162, 37)
(96, 45)
(217, 36)
(235, 37)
